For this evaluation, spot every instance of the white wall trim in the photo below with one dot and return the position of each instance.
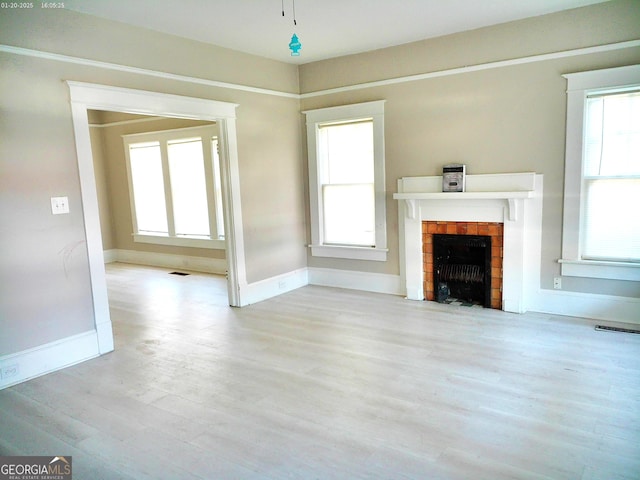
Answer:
(141, 71)
(110, 256)
(407, 78)
(167, 260)
(587, 305)
(34, 362)
(179, 241)
(91, 217)
(600, 269)
(476, 68)
(356, 280)
(373, 110)
(579, 86)
(273, 286)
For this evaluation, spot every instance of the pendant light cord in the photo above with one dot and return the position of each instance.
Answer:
(294, 12)
(293, 2)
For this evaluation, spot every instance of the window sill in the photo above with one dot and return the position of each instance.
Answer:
(354, 253)
(179, 241)
(600, 269)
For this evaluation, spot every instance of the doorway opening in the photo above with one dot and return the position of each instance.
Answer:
(86, 97)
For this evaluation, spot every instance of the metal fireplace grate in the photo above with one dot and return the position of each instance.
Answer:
(462, 268)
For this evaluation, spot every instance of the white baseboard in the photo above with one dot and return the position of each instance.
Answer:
(587, 305)
(272, 287)
(167, 260)
(34, 362)
(356, 280)
(110, 256)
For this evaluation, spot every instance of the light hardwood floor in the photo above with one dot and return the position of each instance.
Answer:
(328, 383)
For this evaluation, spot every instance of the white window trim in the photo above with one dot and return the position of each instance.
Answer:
(579, 85)
(213, 242)
(373, 110)
(179, 241)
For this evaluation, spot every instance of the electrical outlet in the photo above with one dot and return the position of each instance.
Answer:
(9, 371)
(557, 283)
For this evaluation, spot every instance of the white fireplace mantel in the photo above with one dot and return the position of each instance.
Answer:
(514, 199)
(411, 199)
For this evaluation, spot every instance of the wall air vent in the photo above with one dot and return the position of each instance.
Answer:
(616, 329)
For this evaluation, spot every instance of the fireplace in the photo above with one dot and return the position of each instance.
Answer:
(462, 268)
(505, 207)
(483, 241)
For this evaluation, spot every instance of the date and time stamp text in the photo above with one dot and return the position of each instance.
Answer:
(29, 5)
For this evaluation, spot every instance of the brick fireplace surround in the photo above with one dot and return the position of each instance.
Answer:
(491, 229)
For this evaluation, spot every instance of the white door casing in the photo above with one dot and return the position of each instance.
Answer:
(85, 96)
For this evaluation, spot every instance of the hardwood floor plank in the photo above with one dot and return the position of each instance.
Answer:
(30, 437)
(65, 427)
(330, 383)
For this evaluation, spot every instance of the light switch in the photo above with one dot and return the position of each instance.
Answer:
(59, 205)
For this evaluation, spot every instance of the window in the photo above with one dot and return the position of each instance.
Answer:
(601, 235)
(611, 177)
(346, 178)
(174, 179)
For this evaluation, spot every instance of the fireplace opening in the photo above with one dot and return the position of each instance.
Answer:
(462, 268)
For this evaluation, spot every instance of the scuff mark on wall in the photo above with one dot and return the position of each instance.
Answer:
(67, 254)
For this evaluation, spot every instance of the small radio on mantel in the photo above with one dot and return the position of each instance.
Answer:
(453, 177)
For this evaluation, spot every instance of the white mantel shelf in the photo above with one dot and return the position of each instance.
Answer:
(462, 195)
(482, 191)
(510, 197)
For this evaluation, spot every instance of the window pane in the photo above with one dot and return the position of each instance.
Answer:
(346, 153)
(188, 187)
(612, 135)
(347, 175)
(612, 228)
(148, 187)
(349, 217)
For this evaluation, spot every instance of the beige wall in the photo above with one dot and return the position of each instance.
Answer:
(505, 119)
(45, 294)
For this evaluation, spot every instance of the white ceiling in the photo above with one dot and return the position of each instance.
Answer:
(326, 28)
